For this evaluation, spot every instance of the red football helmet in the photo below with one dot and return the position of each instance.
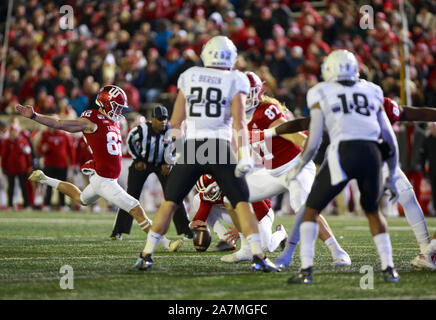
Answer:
(112, 99)
(208, 187)
(256, 90)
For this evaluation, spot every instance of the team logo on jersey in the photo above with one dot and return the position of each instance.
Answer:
(100, 116)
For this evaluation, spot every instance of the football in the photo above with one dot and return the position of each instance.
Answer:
(202, 238)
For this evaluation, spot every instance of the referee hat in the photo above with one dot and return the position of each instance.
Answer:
(160, 113)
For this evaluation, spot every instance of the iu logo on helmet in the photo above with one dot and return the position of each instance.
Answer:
(114, 92)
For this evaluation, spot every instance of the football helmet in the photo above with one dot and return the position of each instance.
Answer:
(112, 100)
(256, 90)
(219, 52)
(208, 187)
(340, 65)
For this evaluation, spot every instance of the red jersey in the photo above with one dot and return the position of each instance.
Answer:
(393, 110)
(105, 144)
(278, 151)
(59, 148)
(16, 155)
(260, 208)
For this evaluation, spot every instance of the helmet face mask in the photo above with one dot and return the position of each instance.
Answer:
(256, 90)
(219, 52)
(112, 100)
(340, 65)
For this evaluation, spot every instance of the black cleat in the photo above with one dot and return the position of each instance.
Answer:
(390, 275)
(303, 276)
(224, 246)
(265, 265)
(144, 263)
(116, 236)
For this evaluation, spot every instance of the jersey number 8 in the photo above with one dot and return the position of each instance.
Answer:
(113, 144)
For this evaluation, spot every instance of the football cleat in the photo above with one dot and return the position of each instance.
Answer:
(144, 263)
(342, 259)
(424, 262)
(239, 256)
(390, 275)
(37, 176)
(303, 276)
(223, 246)
(174, 245)
(264, 265)
(116, 236)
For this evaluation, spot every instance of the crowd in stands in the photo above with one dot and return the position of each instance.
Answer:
(143, 46)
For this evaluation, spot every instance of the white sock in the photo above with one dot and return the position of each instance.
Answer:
(255, 243)
(384, 248)
(244, 243)
(153, 239)
(3, 198)
(308, 232)
(54, 183)
(333, 244)
(293, 236)
(414, 216)
(165, 242)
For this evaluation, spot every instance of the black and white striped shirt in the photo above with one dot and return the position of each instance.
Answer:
(145, 145)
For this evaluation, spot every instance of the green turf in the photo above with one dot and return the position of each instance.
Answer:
(35, 245)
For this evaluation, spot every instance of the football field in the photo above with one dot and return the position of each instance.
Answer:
(34, 246)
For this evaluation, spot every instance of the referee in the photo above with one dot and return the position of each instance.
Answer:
(150, 146)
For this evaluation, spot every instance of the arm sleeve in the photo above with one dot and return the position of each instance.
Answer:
(134, 142)
(315, 136)
(203, 211)
(388, 136)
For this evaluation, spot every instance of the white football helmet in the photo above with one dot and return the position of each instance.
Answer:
(340, 65)
(219, 52)
(256, 90)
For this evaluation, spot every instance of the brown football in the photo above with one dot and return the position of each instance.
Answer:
(202, 238)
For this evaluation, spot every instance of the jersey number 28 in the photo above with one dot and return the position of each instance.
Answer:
(212, 107)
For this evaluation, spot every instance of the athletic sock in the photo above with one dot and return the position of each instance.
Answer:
(153, 239)
(414, 216)
(165, 242)
(384, 248)
(308, 232)
(255, 243)
(54, 183)
(333, 244)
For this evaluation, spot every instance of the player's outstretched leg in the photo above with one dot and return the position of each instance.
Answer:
(427, 259)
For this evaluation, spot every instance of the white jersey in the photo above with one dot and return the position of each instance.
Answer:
(209, 93)
(350, 112)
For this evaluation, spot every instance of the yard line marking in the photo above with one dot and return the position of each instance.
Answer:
(365, 228)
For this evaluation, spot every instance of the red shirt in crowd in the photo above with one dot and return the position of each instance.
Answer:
(57, 149)
(16, 155)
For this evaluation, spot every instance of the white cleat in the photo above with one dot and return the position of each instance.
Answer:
(341, 260)
(37, 176)
(424, 262)
(239, 256)
(175, 245)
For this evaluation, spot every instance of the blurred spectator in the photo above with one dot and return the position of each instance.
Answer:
(56, 147)
(78, 101)
(16, 158)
